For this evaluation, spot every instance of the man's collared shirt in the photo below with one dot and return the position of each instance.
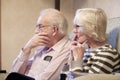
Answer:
(46, 64)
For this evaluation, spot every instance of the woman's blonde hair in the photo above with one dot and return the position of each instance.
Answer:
(94, 22)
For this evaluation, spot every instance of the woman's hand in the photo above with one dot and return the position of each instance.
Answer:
(77, 51)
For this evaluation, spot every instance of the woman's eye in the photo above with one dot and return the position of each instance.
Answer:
(77, 26)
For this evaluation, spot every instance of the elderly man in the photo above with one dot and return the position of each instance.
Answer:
(52, 54)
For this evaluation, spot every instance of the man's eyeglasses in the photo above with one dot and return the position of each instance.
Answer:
(39, 26)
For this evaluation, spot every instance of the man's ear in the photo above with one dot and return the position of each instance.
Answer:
(55, 30)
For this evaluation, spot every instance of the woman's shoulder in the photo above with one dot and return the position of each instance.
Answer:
(107, 49)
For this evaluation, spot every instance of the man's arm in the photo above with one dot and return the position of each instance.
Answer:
(20, 63)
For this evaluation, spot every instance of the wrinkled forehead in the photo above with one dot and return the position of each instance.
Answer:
(44, 18)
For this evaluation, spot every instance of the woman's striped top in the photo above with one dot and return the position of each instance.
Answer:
(104, 59)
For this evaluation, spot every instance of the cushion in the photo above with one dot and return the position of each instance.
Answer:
(113, 30)
(98, 77)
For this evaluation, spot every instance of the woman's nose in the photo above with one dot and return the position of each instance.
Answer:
(75, 30)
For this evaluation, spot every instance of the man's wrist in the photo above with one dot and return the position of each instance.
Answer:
(26, 50)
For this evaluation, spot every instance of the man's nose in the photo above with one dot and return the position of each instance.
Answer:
(37, 31)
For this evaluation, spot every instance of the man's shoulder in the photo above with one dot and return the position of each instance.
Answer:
(68, 43)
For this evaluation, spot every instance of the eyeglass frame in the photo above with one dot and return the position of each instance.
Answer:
(40, 26)
(78, 26)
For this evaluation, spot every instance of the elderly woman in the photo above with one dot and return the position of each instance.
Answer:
(90, 51)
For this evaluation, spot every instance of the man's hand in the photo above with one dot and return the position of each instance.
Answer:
(41, 39)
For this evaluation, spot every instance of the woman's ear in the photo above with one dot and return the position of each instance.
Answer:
(55, 30)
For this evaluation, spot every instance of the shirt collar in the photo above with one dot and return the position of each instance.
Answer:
(60, 44)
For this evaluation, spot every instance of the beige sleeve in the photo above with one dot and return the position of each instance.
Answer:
(76, 66)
